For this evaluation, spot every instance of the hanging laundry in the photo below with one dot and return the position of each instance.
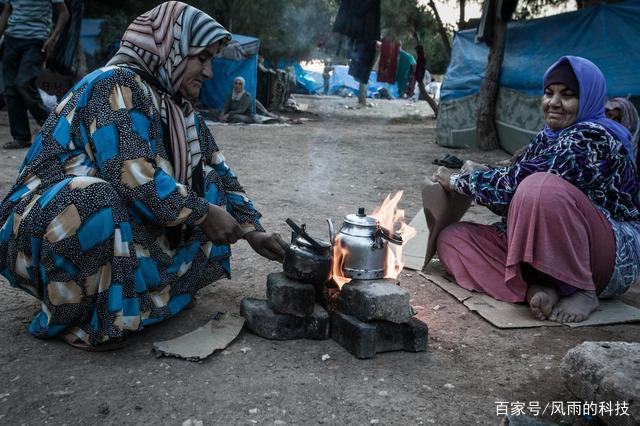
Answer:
(388, 61)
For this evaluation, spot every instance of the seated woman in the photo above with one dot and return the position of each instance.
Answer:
(238, 108)
(570, 232)
(124, 207)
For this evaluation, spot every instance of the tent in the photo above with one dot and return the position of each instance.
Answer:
(606, 34)
(341, 82)
(226, 68)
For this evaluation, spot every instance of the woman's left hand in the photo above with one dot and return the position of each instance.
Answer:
(267, 244)
(443, 177)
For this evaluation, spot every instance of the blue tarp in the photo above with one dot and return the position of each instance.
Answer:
(89, 32)
(308, 82)
(607, 35)
(341, 80)
(216, 91)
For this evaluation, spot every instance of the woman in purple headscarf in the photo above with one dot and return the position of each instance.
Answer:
(570, 232)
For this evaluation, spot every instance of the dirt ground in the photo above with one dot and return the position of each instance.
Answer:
(327, 167)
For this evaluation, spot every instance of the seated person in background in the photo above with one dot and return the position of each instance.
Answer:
(570, 206)
(623, 111)
(238, 108)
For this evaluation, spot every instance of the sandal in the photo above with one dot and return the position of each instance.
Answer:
(73, 340)
(449, 161)
(15, 144)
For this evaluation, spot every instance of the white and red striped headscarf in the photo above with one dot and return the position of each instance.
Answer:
(159, 42)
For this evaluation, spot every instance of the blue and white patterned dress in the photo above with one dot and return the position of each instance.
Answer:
(98, 228)
(589, 157)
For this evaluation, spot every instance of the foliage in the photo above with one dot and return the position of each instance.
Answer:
(411, 23)
(290, 29)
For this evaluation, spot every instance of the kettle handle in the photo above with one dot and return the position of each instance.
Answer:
(390, 236)
(331, 232)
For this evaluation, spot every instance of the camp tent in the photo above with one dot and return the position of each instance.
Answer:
(216, 91)
(606, 34)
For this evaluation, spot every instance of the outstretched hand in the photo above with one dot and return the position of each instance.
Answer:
(220, 227)
(267, 244)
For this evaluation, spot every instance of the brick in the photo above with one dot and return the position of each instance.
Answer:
(365, 339)
(375, 300)
(287, 296)
(264, 322)
(357, 337)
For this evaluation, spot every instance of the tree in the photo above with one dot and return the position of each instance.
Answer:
(289, 29)
(488, 96)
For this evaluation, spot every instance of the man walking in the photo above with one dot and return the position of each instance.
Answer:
(28, 40)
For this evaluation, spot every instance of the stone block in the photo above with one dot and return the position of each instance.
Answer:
(375, 300)
(605, 372)
(287, 296)
(365, 339)
(357, 337)
(264, 322)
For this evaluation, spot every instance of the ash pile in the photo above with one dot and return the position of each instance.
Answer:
(338, 289)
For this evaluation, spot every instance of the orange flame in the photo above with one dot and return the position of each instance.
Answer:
(339, 256)
(392, 218)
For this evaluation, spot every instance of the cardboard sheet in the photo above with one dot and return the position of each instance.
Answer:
(203, 341)
(415, 249)
(509, 315)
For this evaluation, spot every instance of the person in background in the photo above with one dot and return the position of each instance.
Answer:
(625, 113)
(570, 233)
(239, 106)
(124, 208)
(28, 40)
(326, 76)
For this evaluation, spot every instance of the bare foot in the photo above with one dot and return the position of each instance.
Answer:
(575, 308)
(541, 300)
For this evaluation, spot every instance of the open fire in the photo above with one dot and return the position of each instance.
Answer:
(390, 218)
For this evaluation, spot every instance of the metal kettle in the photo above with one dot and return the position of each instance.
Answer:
(308, 259)
(364, 244)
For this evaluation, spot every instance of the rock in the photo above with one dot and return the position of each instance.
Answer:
(287, 296)
(365, 339)
(375, 300)
(606, 372)
(264, 322)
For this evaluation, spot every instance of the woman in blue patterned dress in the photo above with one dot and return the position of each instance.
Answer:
(124, 207)
(570, 233)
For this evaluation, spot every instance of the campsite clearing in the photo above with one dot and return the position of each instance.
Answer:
(328, 167)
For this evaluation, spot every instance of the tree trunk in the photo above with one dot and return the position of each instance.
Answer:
(461, 20)
(441, 29)
(432, 103)
(362, 94)
(486, 122)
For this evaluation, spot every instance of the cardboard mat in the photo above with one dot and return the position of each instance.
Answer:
(501, 314)
(217, 334)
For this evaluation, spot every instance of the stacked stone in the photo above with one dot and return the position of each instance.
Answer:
(375, 316)
(289, 312)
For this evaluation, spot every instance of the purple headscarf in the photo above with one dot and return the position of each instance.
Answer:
(593, 97)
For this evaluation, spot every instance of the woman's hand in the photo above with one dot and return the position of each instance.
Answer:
(267, 244)
(220, 227)
(471, 166)
(443, 177)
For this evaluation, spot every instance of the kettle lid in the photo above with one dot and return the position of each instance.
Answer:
(361, 219)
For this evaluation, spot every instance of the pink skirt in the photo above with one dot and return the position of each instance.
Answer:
(551, 226)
